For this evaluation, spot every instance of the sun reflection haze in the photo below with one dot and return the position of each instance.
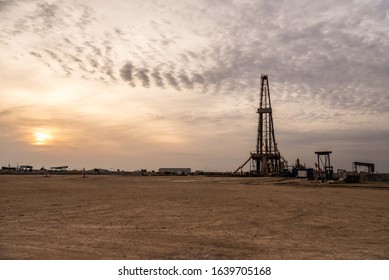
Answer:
(42, 137)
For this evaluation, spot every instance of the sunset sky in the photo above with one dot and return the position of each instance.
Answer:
(147, 84)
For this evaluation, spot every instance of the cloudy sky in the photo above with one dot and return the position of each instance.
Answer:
(167, 83)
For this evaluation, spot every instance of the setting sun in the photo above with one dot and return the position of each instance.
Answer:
(42, 138)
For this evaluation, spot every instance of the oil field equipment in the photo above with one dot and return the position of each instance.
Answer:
(370, 166)
(323, 167)
(266, 160)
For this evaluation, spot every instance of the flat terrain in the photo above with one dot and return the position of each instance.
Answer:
(128, 217)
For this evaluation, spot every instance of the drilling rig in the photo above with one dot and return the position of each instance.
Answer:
(266, 160)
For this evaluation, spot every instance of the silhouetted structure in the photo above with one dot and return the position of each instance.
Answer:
(370, 166)
(267, 159)
(59, 169)
(324, 168)
(174, 171)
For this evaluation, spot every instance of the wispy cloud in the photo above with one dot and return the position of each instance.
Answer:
(326, 52)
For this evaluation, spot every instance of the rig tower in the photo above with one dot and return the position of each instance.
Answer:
(266, 160)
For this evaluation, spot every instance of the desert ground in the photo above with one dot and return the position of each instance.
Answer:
(193, 217)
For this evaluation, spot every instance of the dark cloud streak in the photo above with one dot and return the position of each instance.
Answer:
(171, 80)
(126, 72)
(158, 79)
(142, 74)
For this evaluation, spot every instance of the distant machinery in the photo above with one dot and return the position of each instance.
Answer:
(26, 168)
(59, 168)
(324, 168)
(175, 171)
(370, 166)
(266, 160)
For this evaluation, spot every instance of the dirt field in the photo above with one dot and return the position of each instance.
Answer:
(124, 217)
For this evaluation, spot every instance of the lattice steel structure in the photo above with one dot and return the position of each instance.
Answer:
(266, 160)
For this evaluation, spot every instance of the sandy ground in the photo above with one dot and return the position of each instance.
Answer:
(124, 217)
